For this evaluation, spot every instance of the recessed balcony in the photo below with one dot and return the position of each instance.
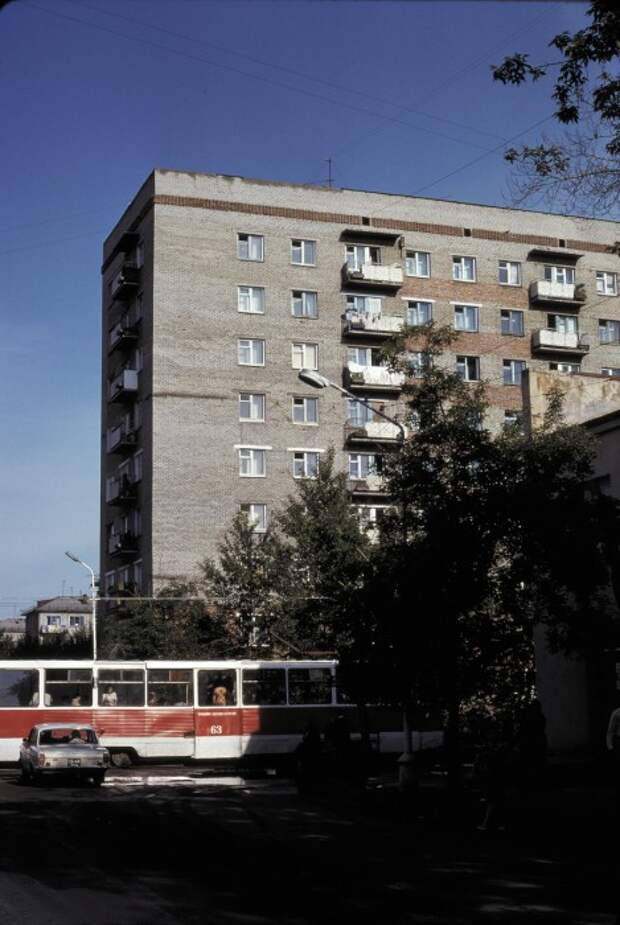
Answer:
(123, 544)
(374, 274)
(372, 432)
(543, 291)
(378, 378)
(124, 284)
(124, 386)
(379, 325)
(546, 340)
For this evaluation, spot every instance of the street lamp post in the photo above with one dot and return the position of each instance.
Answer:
(406, 762)
(93, 598)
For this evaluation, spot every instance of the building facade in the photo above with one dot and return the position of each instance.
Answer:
(217, 290)
(55, 615)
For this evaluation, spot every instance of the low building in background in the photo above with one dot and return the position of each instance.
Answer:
(55, 615)
(12, 630)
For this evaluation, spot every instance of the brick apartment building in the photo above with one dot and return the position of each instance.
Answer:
(218, 289)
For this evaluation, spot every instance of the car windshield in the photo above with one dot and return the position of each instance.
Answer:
(69, 735)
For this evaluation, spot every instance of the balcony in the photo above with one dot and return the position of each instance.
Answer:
(372, 432)
(546, 340)
(379, 378)
(123, 334)
(544, 292)
(121, 491)
(124, 386)
(123, 544)
(382, 325)
(121, 438)
(374, 274)
(124, 284)
(371, 485)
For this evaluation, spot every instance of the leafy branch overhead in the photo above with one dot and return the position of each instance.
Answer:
(583, 167)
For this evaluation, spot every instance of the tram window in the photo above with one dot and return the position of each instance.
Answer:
(264, 686)
(309, 685)
(217, 688)
(170, 687)
(121, 687)
(68, 687)
(19, 688)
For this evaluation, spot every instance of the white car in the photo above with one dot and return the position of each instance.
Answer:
(63, 748)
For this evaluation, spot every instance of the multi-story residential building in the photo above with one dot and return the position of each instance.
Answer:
(217, 290)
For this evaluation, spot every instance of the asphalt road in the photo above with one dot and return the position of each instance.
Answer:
(172, 846)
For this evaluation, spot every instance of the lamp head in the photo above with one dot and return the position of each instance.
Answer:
(71, 555)
(311, 377)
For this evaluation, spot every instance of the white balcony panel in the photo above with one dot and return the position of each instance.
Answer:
(114, 437)
(375, 376)
(381, 430)
(372, 483)
(563, 292)
(126, 381)
(556, 340)
(374, 323)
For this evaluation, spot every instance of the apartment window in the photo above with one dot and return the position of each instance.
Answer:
(303, 252)
(365, 304)
(513, 418)
(305, 464)
(610, 371)
(361, 356)
(359, 414)
(251, 300)
(304, 304)
(511, 322)
(513, 371)
(251, 407)
(419, 313)
(370, 516)
(609, 332)
(363, 465)
(305, 356)
(555, 274)
(418, 263)
(251, 352)
(54, 619)
(464, 269)
(256, 514)
(305, 410)
(359, 254)
(466, 317)
(565, 367)
(252, 462)
(468, 368)
(509, 273)
(418, 361)
(564, 324)
(76, 621)
(606, 283)
(250, 246)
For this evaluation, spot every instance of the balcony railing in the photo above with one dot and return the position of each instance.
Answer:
(121, 491)
(374, 274)
(371, 484)
(546, 340)
(373, 432)
(123, 334)
(121, 437)
(373, 377)
(544, 291)
(122, 544)
(360, 323)
(123, 386)
(125, 283)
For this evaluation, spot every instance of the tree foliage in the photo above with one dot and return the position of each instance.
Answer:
(581, 168)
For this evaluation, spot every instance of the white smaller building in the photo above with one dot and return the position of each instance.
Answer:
(58, 615)
(12, 629)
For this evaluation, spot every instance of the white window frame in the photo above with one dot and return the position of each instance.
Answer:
(511, 312)
(364, 304)
(249, 398)
(357, 255)
(300, 297)
(570, 368)
(304, 350)
(365, 416)
(413, 307)
(509, 266)
(611, 371)
(418, 362)
(353, 352)
(303, 245)
(459, 263)
(608, 281)
(245, 238)
(253, 298)
(464, 310)
(304, 402)
(360, 468)
(301, 463)
(258, 518)
(253, 459)
(563, 323)
(412, 263)
(252, 341)
(559, 274)
(512, 371)
(462, 360)
(608, 325)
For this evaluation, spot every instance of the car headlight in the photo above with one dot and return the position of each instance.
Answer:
(41, 761)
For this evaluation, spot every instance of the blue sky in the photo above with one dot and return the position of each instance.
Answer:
(96, 94)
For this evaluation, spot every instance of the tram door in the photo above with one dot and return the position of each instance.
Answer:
(218, 714)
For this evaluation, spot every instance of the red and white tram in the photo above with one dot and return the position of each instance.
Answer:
(202, 710)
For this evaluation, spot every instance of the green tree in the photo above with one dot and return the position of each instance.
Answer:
(581, 168)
